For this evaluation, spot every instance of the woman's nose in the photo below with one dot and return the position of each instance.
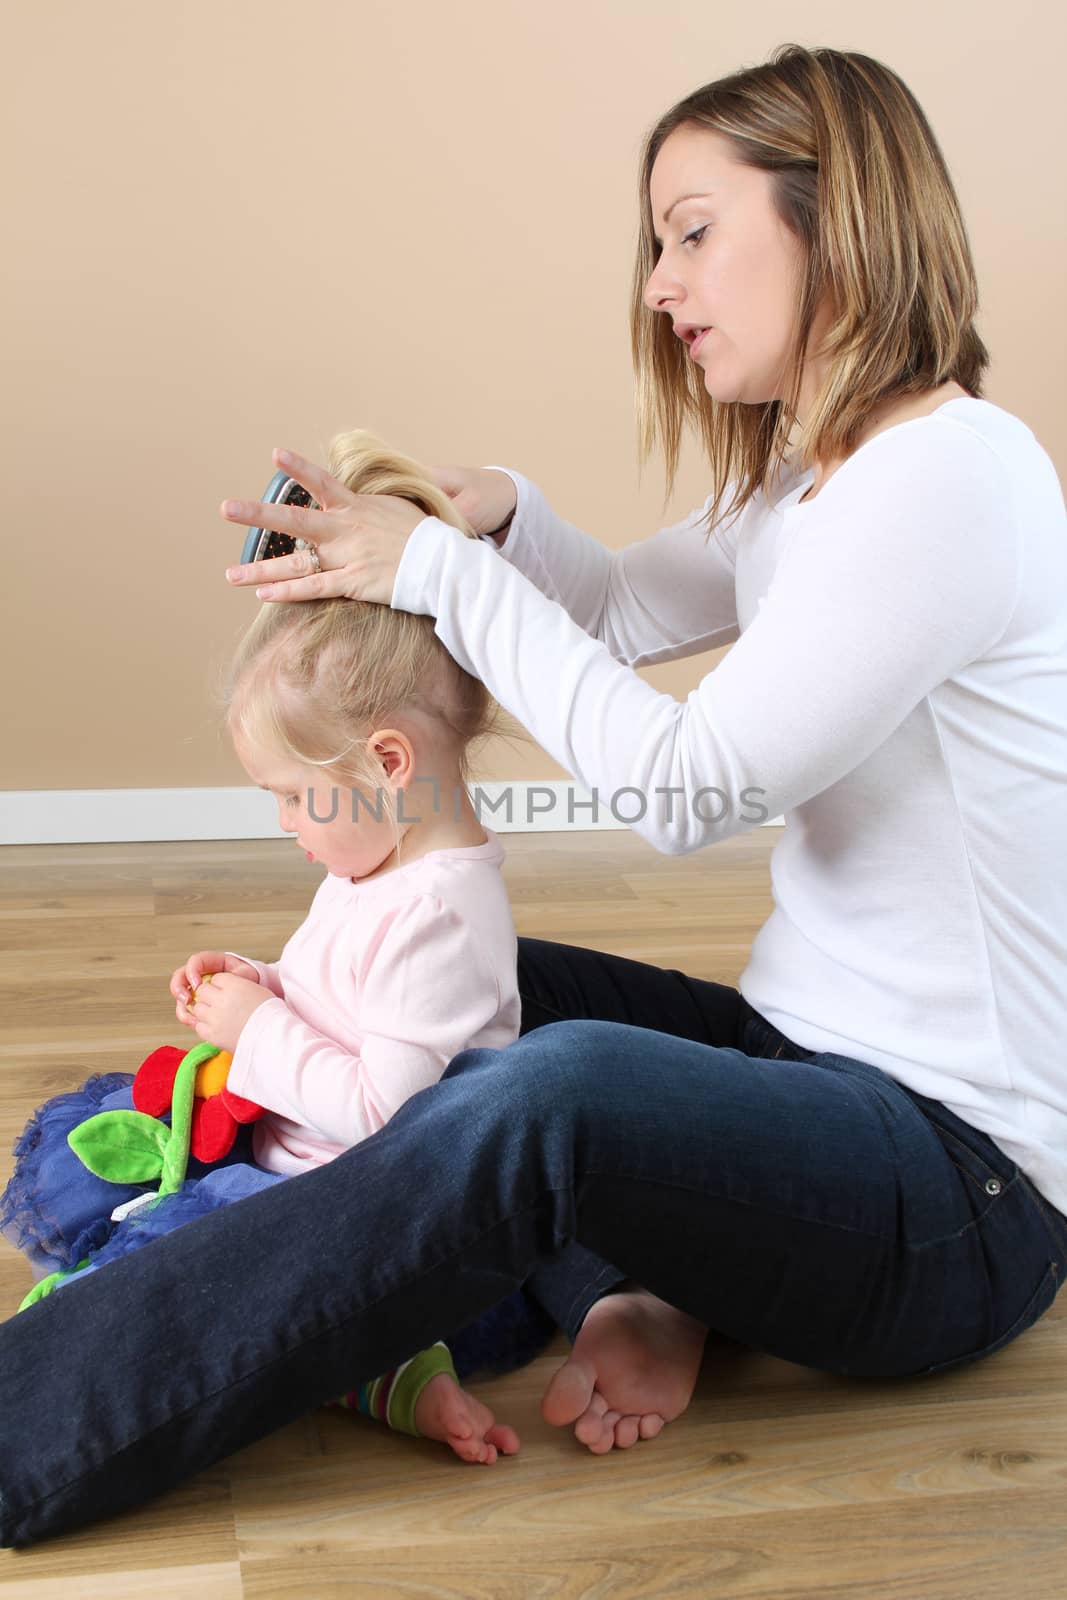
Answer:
(654, 292)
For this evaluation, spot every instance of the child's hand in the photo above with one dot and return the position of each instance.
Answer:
(221, 1006)
(187, 978)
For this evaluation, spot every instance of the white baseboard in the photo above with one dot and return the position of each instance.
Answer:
(126, 816)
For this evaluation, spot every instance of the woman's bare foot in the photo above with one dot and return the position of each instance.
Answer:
(633, 1368)
(446, 1412)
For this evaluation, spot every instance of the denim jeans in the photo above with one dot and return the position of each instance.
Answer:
(645, 1124)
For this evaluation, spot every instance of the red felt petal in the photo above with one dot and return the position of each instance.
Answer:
(242, 1110)
(154, 1084)
(213, 1130)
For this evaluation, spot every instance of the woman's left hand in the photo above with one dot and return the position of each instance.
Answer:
(360, 539)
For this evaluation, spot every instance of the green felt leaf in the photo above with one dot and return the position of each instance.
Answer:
(121, 1146)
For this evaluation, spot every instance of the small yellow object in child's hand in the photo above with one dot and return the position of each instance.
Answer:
(192, 998)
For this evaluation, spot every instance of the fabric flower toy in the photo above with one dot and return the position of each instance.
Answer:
(216, 1111)
(136, 1147)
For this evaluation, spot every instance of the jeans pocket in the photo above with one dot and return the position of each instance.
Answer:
(1035, 1307)
(978, 1158)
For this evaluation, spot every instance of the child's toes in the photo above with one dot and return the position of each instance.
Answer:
(506, 1439)
(472, 1449)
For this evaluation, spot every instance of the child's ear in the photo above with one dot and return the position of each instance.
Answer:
(396, 756)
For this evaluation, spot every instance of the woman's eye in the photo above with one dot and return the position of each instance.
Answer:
(696, 234)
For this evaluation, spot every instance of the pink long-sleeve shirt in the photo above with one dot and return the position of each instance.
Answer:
(380, 986)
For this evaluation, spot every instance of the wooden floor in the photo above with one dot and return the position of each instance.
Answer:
(778, 1483)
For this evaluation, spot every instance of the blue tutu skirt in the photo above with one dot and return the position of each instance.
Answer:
(59, 1213)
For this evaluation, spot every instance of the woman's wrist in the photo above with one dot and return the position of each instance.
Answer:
(501, 533)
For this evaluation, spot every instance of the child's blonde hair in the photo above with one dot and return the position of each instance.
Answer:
(312, 679)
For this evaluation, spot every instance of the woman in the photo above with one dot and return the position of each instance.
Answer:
(856, 1161)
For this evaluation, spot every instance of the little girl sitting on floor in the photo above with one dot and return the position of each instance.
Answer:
(356, 718)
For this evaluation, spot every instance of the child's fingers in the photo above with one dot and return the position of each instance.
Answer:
(204, 961)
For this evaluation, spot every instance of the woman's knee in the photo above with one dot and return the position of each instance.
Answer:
(554, 1062)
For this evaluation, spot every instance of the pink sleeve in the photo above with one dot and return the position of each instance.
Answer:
(421, 990)
(267, 970)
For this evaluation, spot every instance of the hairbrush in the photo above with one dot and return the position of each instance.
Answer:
(263, 543)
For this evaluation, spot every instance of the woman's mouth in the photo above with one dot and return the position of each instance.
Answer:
(695, 346)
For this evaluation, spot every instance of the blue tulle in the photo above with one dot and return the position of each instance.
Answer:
(53, 1208)
(196, 1198)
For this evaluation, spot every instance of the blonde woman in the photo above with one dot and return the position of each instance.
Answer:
(857, 1160)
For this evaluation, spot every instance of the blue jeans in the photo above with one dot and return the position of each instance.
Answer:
(802, 1203)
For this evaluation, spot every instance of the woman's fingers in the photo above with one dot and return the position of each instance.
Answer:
(320, 484)
(299, 564)
(300, 522)
(320, 586)
(450, 479)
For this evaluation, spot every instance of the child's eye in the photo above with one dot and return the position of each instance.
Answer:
(292, 799)
(696, 234)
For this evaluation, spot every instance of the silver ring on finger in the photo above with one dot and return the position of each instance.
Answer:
(313, 551)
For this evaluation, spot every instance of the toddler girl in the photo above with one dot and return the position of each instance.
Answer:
(359, 722)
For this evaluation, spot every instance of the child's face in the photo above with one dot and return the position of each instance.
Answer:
(318, 809)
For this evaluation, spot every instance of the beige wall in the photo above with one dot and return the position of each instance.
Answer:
(234, 224)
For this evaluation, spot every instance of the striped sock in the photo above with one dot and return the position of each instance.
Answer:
(392, 1397)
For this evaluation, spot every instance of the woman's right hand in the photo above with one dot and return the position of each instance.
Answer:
(185, 979)
(484, 495)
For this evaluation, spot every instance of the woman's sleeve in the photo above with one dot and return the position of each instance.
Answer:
(666, 596)
(420, 991)
(907, 572)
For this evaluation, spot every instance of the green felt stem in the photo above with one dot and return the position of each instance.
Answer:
(46, 1285)
(176, 1156)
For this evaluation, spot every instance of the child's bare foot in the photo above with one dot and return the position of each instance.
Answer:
(446, 1412)
(633, 1368)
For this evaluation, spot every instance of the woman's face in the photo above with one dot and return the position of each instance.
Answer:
(728, 263)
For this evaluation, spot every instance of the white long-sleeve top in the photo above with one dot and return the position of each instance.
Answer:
(897, 690)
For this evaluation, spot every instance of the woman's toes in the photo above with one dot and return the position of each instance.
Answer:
(606, 1442)
(626, 1432)
(569, 1393)
(651, 1424)
(590, 1425)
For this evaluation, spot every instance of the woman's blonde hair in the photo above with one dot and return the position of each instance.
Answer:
(312, 679)
(859, 178)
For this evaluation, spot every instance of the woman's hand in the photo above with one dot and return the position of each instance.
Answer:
(484, 495)
(222, 1005)
(187, 978)
(359, 537)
